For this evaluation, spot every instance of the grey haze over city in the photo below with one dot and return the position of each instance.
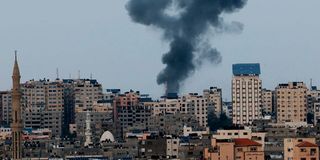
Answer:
(99, 38)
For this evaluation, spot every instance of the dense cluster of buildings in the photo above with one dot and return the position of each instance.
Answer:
(78, 119)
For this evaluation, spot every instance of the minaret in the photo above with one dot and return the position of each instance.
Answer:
(88, 133)
(16, 125)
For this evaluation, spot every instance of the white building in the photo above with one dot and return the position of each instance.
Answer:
(246, 93)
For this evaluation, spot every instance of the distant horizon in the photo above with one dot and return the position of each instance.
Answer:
(151, 96)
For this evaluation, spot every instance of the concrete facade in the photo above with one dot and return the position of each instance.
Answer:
(291, 102)
(214, 97)
(267, 102)
(246, 94)
(43, 105)
(301, 149)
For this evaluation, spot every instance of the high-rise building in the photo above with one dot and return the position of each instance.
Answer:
(313, 96)
(6, 107)
(130, 113)
(246, 93)
(316, 111)
(192, 103)
(43, 105)
(227, 109)
(100, 120)
(214, 97)
(291, 102)
(87, 92)
(199, 106)
(267, 102)
(80, 95)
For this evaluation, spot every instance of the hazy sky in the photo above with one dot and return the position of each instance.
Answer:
(98, 37)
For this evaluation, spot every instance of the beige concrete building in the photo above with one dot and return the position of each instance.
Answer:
(246, 93)
(246, 149)
(86, 93)
(6, 107)
(316, 112)
(172, 147)
(101, 119)
(234, 149)
(301, 149)
(219, 150)
(214, 97)
(313, 96)
(198, 106)
(188, 104)
(291, 102)
(43, 105)
(267, 102)
(243, 133)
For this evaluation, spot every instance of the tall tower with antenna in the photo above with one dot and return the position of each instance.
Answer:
(16, 125)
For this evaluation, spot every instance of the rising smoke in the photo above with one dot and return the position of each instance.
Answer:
(184, 24)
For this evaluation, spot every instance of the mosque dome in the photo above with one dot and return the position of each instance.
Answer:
(107, 137)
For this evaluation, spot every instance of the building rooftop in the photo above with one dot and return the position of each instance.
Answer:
(243, 142)
(246, 69)
(306, 144)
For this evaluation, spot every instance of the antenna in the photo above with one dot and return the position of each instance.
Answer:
(90, 75)
(15, 55)
(57, 72)
(78, 74)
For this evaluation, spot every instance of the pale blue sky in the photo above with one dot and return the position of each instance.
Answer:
(98, 37)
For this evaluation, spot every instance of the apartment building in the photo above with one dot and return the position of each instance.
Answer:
(79, 95)
(199, 106)
(6, 107)
(241, 133)
(130, 113)
(246, 93)
(214, 97)
(301, 149)
(101, 120)
(86, 93)
(316, 112)
(291, 102)
(267, 102)
(227, 109)
(43, 105)
(237, 149)
(312, 97)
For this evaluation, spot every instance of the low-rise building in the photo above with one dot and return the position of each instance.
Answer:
(241, 133)
(237, 149)
(301, 149)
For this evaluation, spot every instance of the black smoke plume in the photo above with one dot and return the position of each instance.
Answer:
(185, 24)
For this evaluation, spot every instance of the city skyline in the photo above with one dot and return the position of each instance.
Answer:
(160, 79)
(88, 43)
